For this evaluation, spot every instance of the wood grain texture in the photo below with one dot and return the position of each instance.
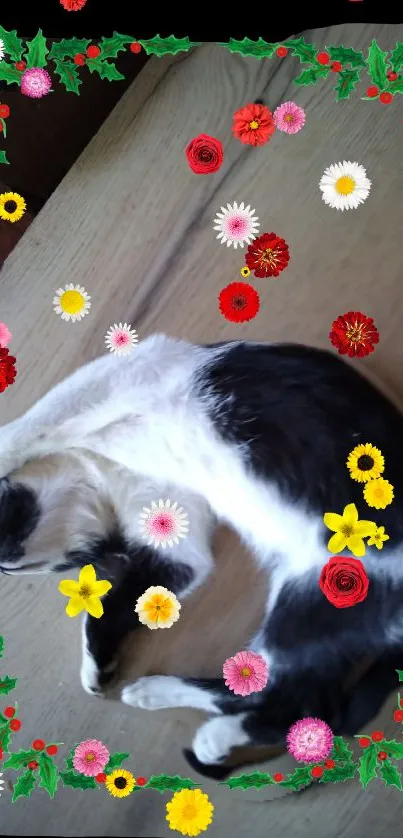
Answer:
(133, 225)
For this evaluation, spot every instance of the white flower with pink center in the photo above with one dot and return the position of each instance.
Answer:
(164, 523)
(35, 82)
(289, 118)
(310, 740)
(236, 225)
(121, 338)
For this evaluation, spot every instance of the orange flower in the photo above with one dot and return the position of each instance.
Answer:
(253, 125)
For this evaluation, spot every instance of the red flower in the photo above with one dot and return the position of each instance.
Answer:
(253, 124)
(267, 255)
(354, 334)
(73, 5)
(8, 370)
(344, 581)
(239, 302)
(204, 154)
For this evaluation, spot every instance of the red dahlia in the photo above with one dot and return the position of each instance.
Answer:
(354, 334)
(8, 370)
(73, 5)
(239, 302)
(253, 125)
(267, 255)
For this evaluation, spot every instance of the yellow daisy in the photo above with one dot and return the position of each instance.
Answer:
(378, 493)
(245, 271)
(189, 811)
(378, 538)
(12, 206)
(349, 531)
(365, 462)
(72, 302)
(85, 594)
(158, 608)
(120, 783)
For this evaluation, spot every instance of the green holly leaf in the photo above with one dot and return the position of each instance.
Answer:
(9, 73)
(163, 782)
(341, 749)
(377, 65)
(1, 638)
(168, 46)
(396, 61)
(390, 775)
(346, 82)
(395, 86)
(5, 736)
(13, 46)
(368, 765)
(24, 785)
(68, 48)
(305, 52)
(106, 69)
(299, 778)
(48, 774)
(68, 75)
(258, 49)
(312, 74)
(400, 674)
(393, 749)
(69, 760)
(339, 774)
(77, 781)
(249, 781)
(37, 51)
(115, 761)
(4, 127)
(7, 684)
(21, 759)
(110, 47)
(346, 55)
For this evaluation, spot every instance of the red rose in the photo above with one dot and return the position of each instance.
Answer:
(204, 154)
(344, 581)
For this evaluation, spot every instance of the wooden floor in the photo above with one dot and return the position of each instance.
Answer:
(133, 225)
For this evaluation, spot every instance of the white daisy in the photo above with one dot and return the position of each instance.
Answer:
(1, 783)
(2, 50)
(72, 302)
(164, 524)
(344, 185)
(237, 225)
(121, 338)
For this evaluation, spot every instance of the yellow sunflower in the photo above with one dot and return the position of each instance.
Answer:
(349, 531)
(365, 463)
(245, 271)
(189, 811)
(120, 783)
(378, 538)
(378, 493)
(12, 206)
(158, 607)
(86, 593)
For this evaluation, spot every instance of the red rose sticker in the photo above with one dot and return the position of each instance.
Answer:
(204, 154)
(344, 581)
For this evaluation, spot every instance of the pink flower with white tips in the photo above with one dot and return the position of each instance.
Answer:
(35, 83)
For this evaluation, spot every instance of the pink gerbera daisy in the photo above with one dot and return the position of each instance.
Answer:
(289, 118)
(121, 338)
(35, 82)
(309, 740)
(245, 673)
(5, 335)
(90, 757)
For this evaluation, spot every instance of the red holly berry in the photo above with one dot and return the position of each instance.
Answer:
(282, 52)
(4, 111)
(135, 47)
(336, 66)
(79, 59)
(382, 755)
(401, 702)
(38, 744)
(100, 778)
(51, 750)
(93, 51)
(330, 763)
(141, 781)
(278, 778)
(1, 753)
(317, 771)
(377, 736)
(373, 90)
(392, 76)
(15, 724)
(20, 65)
(323, 57)
(32, 765)
(386, 97)
(364, 742)
(9, 712)
(398, 715)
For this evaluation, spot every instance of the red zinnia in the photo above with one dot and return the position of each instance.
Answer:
(239, 302)
(253, 124)
(354, 334)
(8, 370)
(73, 5)
(267, 255)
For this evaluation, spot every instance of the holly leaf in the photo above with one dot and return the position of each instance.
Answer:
(5, 736)
(106, 69)
(339, 774)
(68, 48)
(347, 55)
(163, 782)
(68, 75)
(395, 86)
(400, 674)
(37, 51)
(377, 65)
(69, 760)
(115, 761)
(7, 684)
(12, 44)
(346, 82)
(21, 759)
(312, 74)
(1, 638)
(4, 127)
(396, 60)
(368, 764)
(390, 775)
(9, 73)
(258, 49)
(393, 749)
(341, 749)
(3, 158)
(48, 774)
(24, 785)
(168, 46)
(77, 781)
(110, 47)
(305, 52)
(299, 778)
(249, 781)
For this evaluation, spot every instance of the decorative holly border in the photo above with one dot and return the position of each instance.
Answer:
(70, 58)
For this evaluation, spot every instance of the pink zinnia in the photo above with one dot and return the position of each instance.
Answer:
(90, 757)
(35, 82)
(245, 673)
(5, 335)
(309, 740)
(289, 117)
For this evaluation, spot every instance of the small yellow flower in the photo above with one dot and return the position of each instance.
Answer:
(72, 302)
(365, 462)
(12, 206)
(158, 608)
(189, 812)
(85, 593)
(378, 493)
(245, 271)
(120, 783)
(349, 531)
(378, 538)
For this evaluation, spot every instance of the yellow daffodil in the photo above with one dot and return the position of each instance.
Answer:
(85, 594)
(349, 531)
(365, 462)
(378, 538)
(189, 812)
(378, 493)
